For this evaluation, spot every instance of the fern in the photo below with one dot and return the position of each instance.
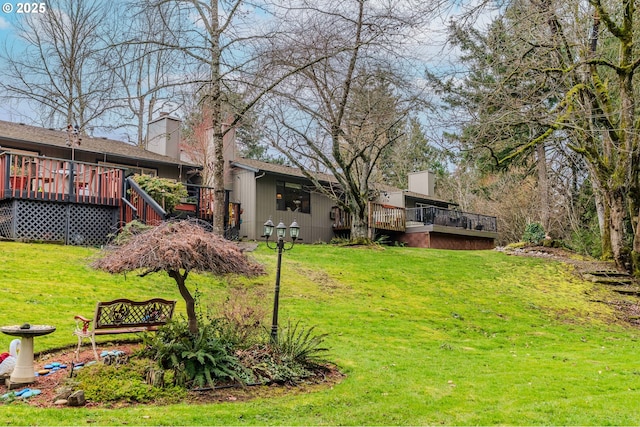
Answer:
(302, 346)
(196, 359)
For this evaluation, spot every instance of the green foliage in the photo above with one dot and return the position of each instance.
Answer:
(238, 318)
(129, 230)
(233, 347)
(382, 239)
(587, 242)
(296, 355)
(123, 383)
(166, 192)
(268, 366)
(196, 360)
(553, 243)
(301, 345)
(516, 245)
(411, 152)
(533, 233)
(346, 241)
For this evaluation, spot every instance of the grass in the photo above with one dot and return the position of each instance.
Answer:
(424, 337)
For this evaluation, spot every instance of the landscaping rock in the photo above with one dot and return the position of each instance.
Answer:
(63, 393)
(77, 398)
(61, 402)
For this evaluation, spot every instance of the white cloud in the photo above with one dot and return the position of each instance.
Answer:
(4, 24)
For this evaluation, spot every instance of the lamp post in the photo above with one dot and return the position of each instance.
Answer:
(281, 231)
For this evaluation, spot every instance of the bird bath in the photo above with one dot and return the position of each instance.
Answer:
(24, 373)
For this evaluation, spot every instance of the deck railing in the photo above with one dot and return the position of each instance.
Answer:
(381, 217)
(140, 206)
(341, 219)
(44, 178)
(384, 217)
(431, 215)
(199, 201)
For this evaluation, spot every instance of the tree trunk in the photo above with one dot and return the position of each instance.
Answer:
(359, 228)
(616, 228)
(543, 188)
(635, 253)
(360, 221)
(215, 102)
(603, 211)
(188, 299)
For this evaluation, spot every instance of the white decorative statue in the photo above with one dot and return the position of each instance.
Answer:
(9, 362)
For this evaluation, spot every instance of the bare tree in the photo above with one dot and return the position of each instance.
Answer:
(221, 45)
(57, 66)
(150, 78)
(339, 114)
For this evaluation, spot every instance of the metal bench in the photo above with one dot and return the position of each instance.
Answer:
(123, 316)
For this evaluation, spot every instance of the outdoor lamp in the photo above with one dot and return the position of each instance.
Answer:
(294, 230)
(281, 232)
(268, 228)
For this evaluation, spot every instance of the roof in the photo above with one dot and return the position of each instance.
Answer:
(258, 166)
(19, 132)
(412, 194)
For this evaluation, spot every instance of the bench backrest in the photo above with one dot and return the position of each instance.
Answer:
(126, 313)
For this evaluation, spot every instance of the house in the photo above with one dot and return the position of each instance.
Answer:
(413, 216)
(54, 188)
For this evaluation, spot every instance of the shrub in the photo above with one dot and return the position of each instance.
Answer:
(195, 359)
(129, 230)
(533, 233)
(166, 192)
(301, 345)
(239, 318)
(127, 382)
(296, 355)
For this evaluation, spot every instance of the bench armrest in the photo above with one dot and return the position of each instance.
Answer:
(84, 321)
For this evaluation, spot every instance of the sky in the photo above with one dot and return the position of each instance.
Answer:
(429, 48)
(8, 17)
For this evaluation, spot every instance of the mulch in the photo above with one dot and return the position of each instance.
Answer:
(49, 384)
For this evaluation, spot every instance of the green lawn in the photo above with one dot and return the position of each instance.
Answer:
(423, 336)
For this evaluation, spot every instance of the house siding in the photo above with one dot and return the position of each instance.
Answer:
(244, 192)
(258, 198)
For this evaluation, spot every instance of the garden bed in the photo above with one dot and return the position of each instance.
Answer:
(49, 384)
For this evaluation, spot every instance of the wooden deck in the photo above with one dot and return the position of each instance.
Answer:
(384, 217)
(392, 218)
(381, 217)
(48, 179)
(31, 177)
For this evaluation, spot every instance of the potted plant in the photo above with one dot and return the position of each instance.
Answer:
(18, 178)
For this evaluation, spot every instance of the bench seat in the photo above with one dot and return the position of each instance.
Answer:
(123, 316)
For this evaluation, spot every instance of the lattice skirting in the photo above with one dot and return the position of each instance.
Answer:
(68, 223)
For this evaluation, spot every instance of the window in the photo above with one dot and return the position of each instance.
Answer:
(293, 197)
